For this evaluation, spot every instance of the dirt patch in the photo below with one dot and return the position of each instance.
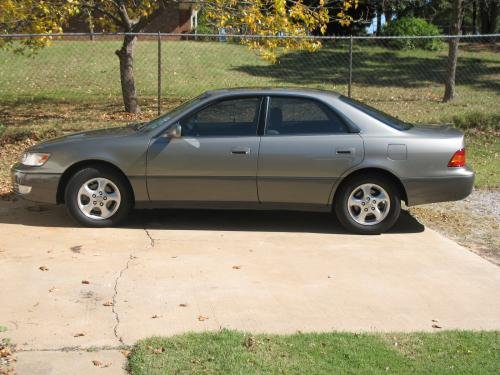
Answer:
(472, 222)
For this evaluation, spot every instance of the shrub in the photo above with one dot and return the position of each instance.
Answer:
(409, 26)
(479, 121)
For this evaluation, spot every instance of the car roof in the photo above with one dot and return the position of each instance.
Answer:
(270, 91)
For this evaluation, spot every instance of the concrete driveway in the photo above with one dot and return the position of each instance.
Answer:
(65, 289)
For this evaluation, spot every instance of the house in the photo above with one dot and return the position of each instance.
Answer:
(178, 17)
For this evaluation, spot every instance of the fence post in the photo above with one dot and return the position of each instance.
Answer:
(159, 74)
(349, 86)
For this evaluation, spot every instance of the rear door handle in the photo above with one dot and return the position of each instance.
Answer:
(344, 151)
(240, 151)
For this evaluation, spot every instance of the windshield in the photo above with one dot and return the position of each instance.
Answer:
(387, 119)
(159, 121)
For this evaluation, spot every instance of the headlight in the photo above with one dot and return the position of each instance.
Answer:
(35, 159)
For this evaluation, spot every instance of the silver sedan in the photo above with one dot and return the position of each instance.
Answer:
(280, 149)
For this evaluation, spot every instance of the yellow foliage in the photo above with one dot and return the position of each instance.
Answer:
(277, 18)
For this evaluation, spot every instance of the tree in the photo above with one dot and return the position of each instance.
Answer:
(272, 18)
(260, 17)
(488, 10)
(456, 26)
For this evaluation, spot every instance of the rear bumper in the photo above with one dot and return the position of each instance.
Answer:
(37, 187)
(439, 189)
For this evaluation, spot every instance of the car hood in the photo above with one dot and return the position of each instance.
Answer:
(88, 136)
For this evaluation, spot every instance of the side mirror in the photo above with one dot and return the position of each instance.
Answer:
(175, 131)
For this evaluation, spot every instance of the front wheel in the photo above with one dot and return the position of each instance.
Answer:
(367, 205)
(98, 197)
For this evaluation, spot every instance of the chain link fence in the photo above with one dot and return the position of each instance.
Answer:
(399, 74)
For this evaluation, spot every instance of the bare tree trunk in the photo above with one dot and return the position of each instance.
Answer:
(379, 20)
(474, 17)
(126, 57)
(456, 25)
(488, 10)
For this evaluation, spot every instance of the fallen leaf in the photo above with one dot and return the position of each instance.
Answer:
(236, 267)
(85, 282)
(202, 318)
(183, 305)
(79, 334)
(100, 364)
(108, 303)
(158, 350)
(249, 342)
(43, 268)
(436, 326)
(53, 289)
(331, 276)
(76, 249)
(155, 316)
(435, 320)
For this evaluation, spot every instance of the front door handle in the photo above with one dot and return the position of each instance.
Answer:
(240, 151)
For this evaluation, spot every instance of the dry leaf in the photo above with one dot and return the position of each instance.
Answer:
(85, 282)
(183, 305)
(236, 267)
(202, 318)
(108, 303)
(53, 289)
(43, 268)
(79, 334)
(436, 326)
(155, 316)
(100, 364)
(158, 350)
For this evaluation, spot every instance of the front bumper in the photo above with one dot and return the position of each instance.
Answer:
(439, 189)
(35, 185)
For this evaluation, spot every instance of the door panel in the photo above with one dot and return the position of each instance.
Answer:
(203, 169)
(215, 160)
(303, 169)
(306, 147)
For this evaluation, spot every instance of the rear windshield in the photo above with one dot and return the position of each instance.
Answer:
(389, 120)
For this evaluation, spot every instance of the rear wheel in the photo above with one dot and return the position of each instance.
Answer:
(98, 196)
(367, 204)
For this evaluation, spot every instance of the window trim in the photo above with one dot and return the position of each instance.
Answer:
(351, 128)
(225, 99)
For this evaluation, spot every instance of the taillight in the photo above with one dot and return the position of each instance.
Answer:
(458, 159)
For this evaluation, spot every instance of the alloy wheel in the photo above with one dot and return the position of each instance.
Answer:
(368, 204)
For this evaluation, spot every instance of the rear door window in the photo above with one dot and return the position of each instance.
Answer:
(294, 116)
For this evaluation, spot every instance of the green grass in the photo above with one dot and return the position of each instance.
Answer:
(230, 352)
(483, 151)
(408, 84)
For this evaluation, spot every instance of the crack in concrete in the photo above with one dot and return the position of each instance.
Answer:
(115, 288)
(151, 239)
(115, 295)
(78, 349)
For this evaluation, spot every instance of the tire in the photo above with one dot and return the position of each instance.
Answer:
(100, 210)
(358, 214)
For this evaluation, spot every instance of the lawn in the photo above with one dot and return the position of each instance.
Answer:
(408, 84)
(230, 352)
(74, 85)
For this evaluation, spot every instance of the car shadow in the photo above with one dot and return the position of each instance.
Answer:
(209, 220)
